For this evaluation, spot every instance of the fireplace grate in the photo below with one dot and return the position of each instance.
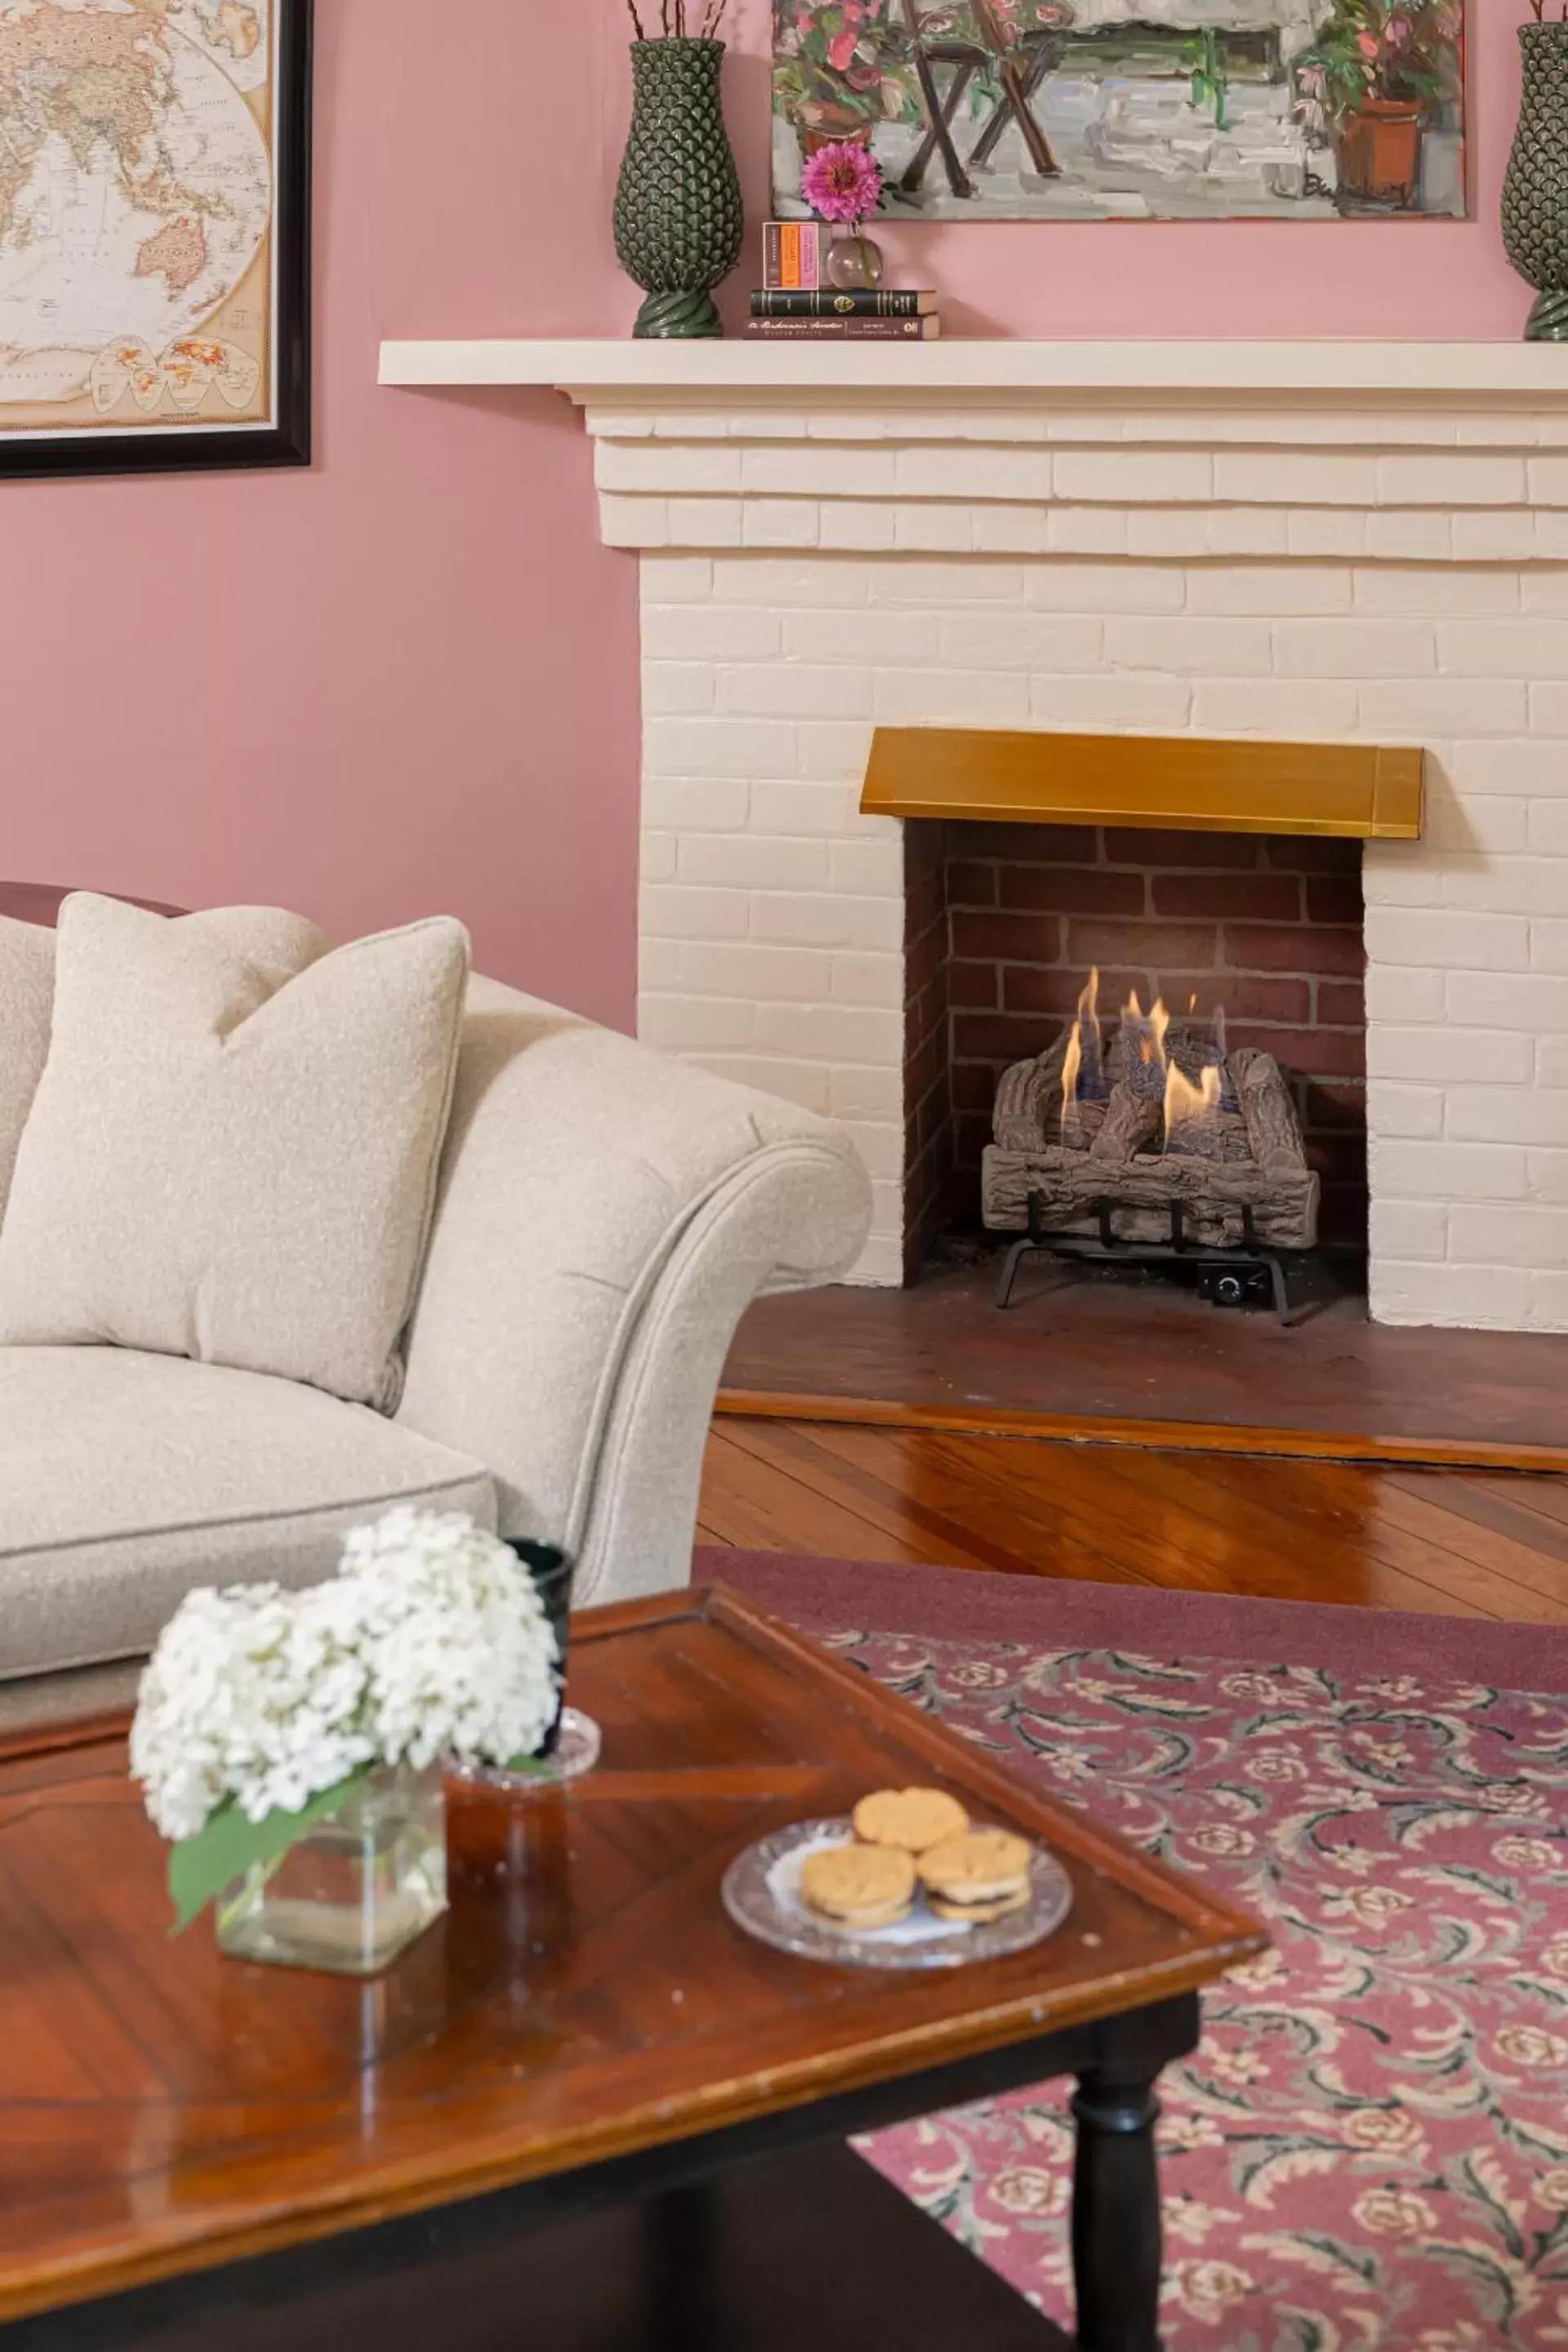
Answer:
(1226, 1277)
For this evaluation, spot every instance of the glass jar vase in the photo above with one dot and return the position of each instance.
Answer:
(354, 1891)
(853, 262)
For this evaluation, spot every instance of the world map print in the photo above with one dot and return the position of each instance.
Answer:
(136, 213)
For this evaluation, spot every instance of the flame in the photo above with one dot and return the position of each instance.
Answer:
(1070, 1068)
(1086, 1025)
(1081, 1063)
(1089, 1009)
(1149, 1029)
(1184, 1101)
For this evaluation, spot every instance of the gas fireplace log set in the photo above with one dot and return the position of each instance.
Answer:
(1165, 1138)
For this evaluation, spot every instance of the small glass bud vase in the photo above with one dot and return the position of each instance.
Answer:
(355, 1890)
(853, 261)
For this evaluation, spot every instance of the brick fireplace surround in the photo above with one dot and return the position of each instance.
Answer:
(1309, 542)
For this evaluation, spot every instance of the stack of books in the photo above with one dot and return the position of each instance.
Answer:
(797, 304)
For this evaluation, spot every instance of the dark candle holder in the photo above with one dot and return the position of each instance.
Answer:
(552, 1574)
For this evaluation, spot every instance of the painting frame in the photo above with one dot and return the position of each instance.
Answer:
(287, 439)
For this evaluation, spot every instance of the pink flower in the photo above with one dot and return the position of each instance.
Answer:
(1396, 32)
(1367, 44)
(842, 183)
(841, 49)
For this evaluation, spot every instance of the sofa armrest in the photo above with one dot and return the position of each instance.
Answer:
(605, 1217)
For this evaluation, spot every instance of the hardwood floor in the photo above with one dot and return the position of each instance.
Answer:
(1078, 1350)
(1450, 1542)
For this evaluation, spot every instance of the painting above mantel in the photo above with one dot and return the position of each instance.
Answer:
(1130, 109)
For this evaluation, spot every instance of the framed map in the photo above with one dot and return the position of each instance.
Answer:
(154, 234)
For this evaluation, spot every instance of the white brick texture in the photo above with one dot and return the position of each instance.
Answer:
(1296, 571)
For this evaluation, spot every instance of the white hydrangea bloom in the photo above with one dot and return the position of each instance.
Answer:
(463, 1660)
(430, 1642)
(251, 1693)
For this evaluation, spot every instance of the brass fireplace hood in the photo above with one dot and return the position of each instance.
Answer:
(1175, 783)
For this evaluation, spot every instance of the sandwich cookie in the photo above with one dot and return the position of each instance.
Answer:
(858, 1885)
(910, 1819)
(982, 1875)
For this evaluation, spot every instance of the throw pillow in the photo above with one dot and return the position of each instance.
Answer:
(232, 1163)
(269, 936)
(26, 990)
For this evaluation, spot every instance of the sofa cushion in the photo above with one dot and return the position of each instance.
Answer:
(126, 1479)
(230, 1163)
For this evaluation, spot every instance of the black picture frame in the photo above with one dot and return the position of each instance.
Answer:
(286, 441)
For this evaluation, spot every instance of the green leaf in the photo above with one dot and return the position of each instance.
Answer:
(538, 1765)
(200, 1867)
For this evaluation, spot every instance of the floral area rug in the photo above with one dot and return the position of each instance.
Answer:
(1371, 2146)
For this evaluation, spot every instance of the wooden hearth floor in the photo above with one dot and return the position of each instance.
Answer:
(1448, 1543)
(1145, 1362)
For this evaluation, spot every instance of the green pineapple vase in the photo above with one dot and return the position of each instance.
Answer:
(679, 223)
(1535, 188)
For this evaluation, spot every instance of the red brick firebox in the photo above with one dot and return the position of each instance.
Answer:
(1004, 921)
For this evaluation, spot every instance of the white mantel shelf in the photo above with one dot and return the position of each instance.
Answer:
(1210, 370)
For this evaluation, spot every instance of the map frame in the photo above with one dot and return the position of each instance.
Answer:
(183, 447)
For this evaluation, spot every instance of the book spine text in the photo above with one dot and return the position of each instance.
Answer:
(843, 331)
(791, 256)
(828, 303)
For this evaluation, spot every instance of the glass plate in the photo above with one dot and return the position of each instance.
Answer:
(576, 1752)
(761, 1895)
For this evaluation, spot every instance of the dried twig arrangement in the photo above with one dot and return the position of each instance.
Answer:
(674, 21)
(1537, 10)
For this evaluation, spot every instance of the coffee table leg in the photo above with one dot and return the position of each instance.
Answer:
(1116, 2214)
(1116, 2183)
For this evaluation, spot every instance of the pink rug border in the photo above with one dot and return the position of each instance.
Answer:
(975, 1605)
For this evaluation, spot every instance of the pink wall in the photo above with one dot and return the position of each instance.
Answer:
(408, 679)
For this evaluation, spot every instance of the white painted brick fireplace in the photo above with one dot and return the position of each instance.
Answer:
(1311, 543)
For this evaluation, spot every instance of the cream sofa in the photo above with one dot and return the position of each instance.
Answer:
(604, 1217)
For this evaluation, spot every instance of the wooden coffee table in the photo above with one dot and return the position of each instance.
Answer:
(585, 2112)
